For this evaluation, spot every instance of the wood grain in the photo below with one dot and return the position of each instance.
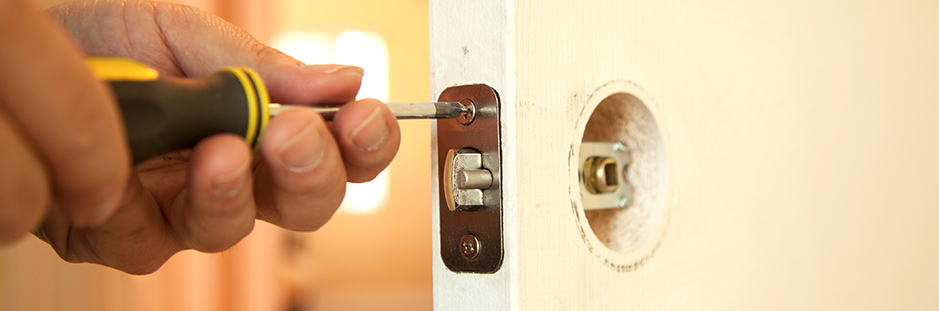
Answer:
(803, 142)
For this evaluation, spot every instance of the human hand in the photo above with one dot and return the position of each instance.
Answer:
(63, 143)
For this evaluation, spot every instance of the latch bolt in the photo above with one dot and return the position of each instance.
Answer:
(465, 179)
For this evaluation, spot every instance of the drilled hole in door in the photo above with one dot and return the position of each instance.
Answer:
(623, 117)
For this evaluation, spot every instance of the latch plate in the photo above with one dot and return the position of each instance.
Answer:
(471, 239)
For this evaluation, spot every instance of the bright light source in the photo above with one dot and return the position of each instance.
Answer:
(366, 50)
(309, 48)
(369, 51)
(366, 198)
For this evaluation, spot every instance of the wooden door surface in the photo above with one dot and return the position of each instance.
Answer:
(784, 152)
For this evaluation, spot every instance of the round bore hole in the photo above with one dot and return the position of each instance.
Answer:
(622, 112)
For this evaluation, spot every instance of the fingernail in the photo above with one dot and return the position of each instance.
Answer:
(229, 185)
(371, 133)
(332, 68)
(302, 152)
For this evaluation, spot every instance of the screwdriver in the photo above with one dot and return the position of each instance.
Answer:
(164, 114)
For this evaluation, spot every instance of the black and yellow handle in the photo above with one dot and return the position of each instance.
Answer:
(165, 114)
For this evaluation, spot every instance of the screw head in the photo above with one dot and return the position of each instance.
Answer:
(469, 246)
(618, 146)
(470, 116)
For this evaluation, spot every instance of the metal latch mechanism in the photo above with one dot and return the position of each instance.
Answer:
(470, 163)
(466, 181)
(603, 175)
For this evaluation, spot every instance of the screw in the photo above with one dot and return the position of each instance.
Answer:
(467, 117)
(622, 201)
(618, 146)
(469, 246)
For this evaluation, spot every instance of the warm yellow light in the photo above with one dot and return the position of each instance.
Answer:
(366, 198)
(369, 51)
(309, 48)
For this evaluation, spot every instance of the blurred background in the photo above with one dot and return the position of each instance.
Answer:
(375, 254)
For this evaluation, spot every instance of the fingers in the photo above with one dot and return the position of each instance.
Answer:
(186, 41)
(369, 137)
(24, 188)
(219, 204)
(302, 180)
(211, 43)
(64, 113)
(213, 211)
(136, 239)
(290, 82)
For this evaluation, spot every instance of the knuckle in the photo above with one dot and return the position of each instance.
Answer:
(130, 261)
(70, 255)
(143, 268)
(226, 234)
(215, 247)
(137, 252)
(218, 242)
(261, 51)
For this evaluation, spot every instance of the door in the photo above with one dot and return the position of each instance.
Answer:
(783, 153)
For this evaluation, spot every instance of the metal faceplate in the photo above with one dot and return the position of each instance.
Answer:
(471, 238)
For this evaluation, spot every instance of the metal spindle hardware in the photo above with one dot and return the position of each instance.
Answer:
(603, 181)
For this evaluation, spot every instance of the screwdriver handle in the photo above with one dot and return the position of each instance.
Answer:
(164, 114)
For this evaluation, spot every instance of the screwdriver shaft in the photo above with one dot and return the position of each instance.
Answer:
(432, 110)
